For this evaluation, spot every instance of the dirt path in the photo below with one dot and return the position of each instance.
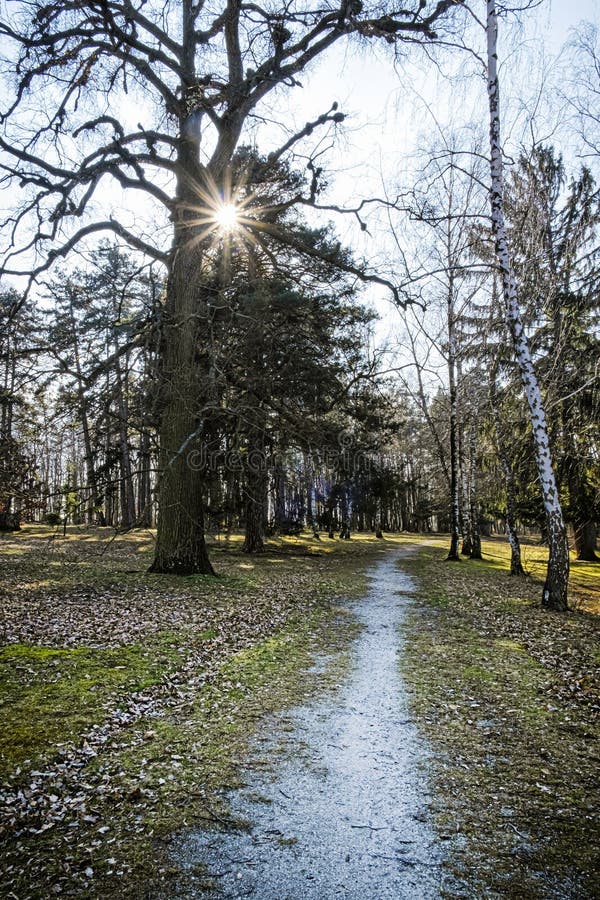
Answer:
(336, 799)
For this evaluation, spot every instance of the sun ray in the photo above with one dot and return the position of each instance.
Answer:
(226, 216)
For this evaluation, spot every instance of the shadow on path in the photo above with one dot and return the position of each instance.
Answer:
(342, 813)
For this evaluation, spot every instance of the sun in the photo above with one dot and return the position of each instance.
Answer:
(226, 217)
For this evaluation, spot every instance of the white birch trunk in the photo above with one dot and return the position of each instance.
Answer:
(555, 588)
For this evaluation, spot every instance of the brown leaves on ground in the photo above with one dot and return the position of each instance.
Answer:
(508, 694)
(71, 812)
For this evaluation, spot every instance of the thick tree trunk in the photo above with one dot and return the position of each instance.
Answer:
(254, 537)
(180, 545)
(554, 595)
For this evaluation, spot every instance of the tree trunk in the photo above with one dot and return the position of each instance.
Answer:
(581, 501)
(554, 595)
(463, 470)
(474, 511)
(345, 514)
(126, 493)
(310, 490)
(254, 538)
(180, 545)
(516, 565)
(144, 510)
(453, 554)
(465, 507)
(94, 506)
(378, 528)
(256, 490)
(279, 486)
(586, 541)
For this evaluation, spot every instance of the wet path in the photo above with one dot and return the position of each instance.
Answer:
(343, 812)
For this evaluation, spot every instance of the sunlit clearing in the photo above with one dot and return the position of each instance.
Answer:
(226, 217)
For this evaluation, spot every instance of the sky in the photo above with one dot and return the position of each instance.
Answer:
(389, 110)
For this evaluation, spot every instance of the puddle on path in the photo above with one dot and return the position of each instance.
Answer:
(342, 812)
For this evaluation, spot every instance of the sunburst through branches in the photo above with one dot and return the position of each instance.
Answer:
(227, 216)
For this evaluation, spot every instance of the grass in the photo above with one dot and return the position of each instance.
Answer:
(51, 695)
(131, 698)
(507, 695)
(584, 578)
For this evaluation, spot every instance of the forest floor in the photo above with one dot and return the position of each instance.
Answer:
(130, 703)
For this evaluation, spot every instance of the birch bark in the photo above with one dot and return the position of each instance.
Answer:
(554, 595)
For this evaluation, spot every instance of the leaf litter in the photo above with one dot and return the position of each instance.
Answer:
(71, 814)
(509, 696)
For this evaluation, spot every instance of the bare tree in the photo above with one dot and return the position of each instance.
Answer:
(446, 201)
(583, 94)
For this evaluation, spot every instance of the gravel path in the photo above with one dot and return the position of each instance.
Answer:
(341, 813)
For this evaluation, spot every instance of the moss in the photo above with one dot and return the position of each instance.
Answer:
(506, 644)
(476, 672)
(54, 695)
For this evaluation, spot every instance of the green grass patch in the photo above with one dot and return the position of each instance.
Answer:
(50, 696)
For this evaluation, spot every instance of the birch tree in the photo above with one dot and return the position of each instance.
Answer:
(554, 594)
(553, 225)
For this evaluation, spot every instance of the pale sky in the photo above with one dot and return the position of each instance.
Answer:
(390, 111)
(387, 109)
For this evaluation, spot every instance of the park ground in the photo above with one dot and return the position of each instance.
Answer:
(129, 702)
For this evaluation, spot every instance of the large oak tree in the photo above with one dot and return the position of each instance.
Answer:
(195, 73)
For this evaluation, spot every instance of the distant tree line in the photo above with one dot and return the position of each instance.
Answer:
(299, 427)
